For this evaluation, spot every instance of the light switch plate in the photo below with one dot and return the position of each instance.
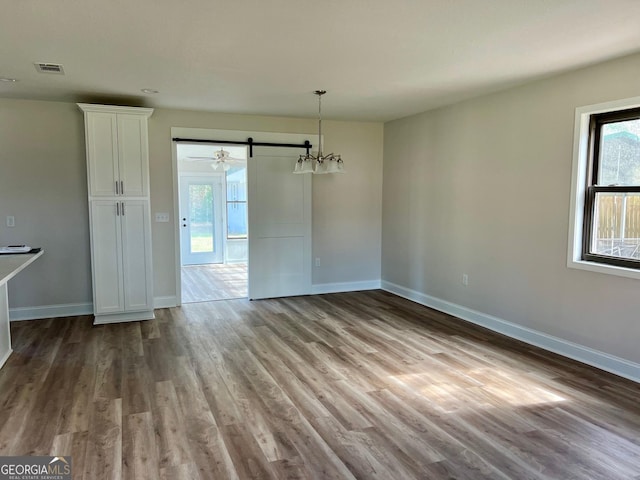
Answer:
(162, 217)
(11, 221)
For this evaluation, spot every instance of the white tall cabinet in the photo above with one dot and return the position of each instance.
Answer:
(120, 218)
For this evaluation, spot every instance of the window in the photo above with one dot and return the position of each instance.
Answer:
(612, 203)
(605, 233)
(237, 203)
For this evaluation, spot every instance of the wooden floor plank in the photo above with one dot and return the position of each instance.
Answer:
(342, 386)
(139, 450)
(187, 471)
(75, 446)
(103, 457)
(171, 438)
(216, 281)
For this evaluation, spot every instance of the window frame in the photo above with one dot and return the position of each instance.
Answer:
(584, 172)
(234, 202)
(597, 121)
(236, 237)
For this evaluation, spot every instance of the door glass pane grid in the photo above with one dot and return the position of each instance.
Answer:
(202, 225)
(616, 229)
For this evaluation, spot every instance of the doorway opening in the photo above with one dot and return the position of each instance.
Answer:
(212, 197)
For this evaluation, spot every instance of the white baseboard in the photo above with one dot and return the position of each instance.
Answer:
(124, 317)
(321, 288)
(6, 356)
(50, 311)
(165, 302)
(72, 309)
(595, 358)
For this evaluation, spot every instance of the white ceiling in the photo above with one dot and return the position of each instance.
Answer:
(378, 59)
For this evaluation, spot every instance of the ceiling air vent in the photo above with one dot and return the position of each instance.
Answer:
(49, 68)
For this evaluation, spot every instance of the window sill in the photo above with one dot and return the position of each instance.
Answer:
(604, 268)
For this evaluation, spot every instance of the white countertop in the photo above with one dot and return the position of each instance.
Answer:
(10, 265)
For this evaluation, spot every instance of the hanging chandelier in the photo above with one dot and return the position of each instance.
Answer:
(319, 163)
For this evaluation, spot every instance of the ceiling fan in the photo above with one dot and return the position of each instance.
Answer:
(221, 158)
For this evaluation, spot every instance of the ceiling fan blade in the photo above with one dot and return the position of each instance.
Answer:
(218, 159)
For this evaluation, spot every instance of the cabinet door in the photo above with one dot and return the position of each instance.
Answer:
(102, 152)
(136, 258)
(106, 256)
(133, 155)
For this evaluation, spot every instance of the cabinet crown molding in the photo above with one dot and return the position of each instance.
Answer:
(92, 107)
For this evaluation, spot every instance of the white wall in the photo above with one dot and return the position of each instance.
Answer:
(483, 188)
(43, 184)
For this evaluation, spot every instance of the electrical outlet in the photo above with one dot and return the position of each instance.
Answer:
(11, 221)
(465, 279)
(317, 261)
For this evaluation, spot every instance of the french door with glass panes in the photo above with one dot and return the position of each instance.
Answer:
(201, 219)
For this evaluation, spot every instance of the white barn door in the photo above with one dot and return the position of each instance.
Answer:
(279, 224)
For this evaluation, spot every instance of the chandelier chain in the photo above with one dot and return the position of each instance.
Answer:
(320, 93)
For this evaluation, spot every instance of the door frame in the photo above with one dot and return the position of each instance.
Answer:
(218, 213)
(216, 134)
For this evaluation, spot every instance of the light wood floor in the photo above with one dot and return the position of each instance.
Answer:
(359, 385)
(218, 281)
